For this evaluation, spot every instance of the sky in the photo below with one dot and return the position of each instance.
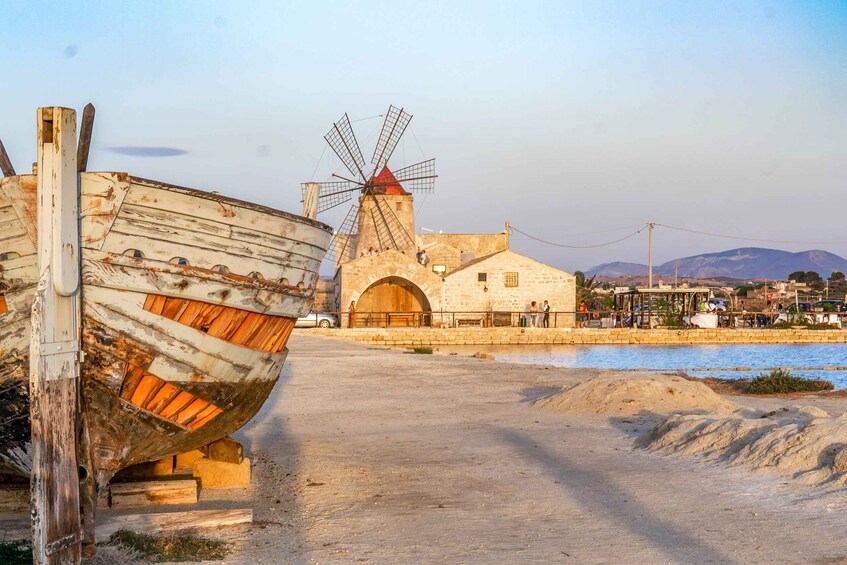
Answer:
(577, 122)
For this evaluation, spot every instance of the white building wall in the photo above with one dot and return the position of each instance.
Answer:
(536, 281)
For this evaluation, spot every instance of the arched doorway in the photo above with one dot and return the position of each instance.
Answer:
(392, 301)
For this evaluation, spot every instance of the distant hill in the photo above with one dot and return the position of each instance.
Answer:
(618, 269)
(742, 263)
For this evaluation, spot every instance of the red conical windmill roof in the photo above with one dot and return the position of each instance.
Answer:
(385, 183)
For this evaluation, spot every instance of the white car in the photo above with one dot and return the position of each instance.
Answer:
(316, 320)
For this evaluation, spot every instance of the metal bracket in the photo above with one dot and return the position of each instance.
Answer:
(63, 543)
(57, 347)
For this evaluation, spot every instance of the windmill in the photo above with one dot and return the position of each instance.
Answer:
(371, 219)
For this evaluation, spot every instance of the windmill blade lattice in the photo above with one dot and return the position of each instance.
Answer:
(342, 141)
(332, 193)
(390, 232)
(395, 124)
(419, 177)
(343, 247)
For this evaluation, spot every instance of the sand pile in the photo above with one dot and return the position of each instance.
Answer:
(615, 393)
(802, 443)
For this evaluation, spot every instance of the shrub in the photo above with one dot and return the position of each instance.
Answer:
(422, 350)
(781, 382)
(170, 547)
(15, 553)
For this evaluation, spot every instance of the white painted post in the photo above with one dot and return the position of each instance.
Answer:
(310, 200)
(54, 345)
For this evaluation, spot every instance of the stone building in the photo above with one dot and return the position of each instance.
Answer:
(470, 279)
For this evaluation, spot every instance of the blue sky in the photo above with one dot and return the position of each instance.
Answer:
(565, 118)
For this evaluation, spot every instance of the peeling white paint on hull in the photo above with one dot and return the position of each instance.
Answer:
(188, 299)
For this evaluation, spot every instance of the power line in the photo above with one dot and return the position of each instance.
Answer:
(742, 238)
(633, 234)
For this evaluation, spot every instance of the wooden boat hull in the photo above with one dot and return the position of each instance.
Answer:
(188, 299)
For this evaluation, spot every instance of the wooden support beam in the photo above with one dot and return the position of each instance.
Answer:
(310, 200)
(85, 130)
(54, 346)
(150, 493)
(154, 523)
(5, 164)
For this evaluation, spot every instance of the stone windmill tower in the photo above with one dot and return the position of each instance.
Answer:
(383, 216)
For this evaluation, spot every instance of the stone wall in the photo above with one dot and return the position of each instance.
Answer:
(446, 248)
(356, 276)
(325, 296)
(536, 281)
(410, 337)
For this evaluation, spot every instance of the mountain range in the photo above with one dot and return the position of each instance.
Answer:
(742, 263)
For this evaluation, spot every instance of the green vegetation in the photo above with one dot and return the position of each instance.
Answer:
(586, 290)
(15, 553)
(782, 382)
(669, 313)
(171, 547)
(422, 350)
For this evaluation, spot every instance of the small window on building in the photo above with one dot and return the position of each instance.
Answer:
(181, 261)
(223, 269)
(134, 253)
(9, 255)
(482, 277)
(510, 279)
(256, 276)
(398, 205)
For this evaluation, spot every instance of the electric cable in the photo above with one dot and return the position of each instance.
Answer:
(633, 234)
(743, 238)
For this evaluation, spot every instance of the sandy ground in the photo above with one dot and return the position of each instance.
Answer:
(366, 455)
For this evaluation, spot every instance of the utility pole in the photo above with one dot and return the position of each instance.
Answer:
(650, 255)
(676, 276)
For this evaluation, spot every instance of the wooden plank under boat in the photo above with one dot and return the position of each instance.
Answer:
(188, 299)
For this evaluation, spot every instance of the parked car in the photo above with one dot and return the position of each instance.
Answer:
(829, 305)
(316, 320)
(720, 304)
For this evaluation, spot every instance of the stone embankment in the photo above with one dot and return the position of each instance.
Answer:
(586, 336)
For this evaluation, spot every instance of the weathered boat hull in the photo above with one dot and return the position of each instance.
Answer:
(188, 299)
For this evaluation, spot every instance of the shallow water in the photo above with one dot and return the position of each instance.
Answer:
(688, 358)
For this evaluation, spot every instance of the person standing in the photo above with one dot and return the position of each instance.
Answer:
(545, 322)
(583, 314)
(533, 312)
(351, 315)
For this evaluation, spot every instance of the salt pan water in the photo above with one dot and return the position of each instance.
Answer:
(806, 360)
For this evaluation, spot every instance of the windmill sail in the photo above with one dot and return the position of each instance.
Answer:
(343, 142)
(395, 124)
(419, 177)
(332, 193)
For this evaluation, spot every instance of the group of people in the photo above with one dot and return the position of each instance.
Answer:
(581, 317)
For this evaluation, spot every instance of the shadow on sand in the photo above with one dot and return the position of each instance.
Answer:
(593, 489)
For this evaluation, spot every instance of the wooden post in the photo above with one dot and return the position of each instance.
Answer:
(5, 164)
(310, 200)
(85, 137)
(54, 345)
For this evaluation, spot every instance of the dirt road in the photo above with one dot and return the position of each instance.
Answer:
(377, 456)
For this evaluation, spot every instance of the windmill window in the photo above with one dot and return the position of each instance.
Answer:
(482, 277)
(510, 279)
(398, 205)
(181, 261)
(221, 269)
(256, 276)
(135, 253)
(9, 255)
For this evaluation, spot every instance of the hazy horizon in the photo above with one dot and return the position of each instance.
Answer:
(568, 120)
